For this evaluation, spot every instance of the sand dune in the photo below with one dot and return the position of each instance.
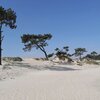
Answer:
(73, 83)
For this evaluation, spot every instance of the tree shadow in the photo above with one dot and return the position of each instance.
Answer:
(44, 67)
(58, 68)
(25, 65)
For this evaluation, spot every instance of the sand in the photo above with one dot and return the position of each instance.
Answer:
(45, 81)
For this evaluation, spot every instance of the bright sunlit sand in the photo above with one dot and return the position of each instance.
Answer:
(43, 80)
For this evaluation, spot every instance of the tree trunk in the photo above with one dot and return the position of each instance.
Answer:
(43, 50)
(80, 58)
(46, 55)
(0, 44)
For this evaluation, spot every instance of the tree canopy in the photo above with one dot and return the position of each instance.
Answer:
(79, 52)
(39, 41)
(7, 17)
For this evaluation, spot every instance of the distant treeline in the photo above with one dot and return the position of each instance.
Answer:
(94, 57)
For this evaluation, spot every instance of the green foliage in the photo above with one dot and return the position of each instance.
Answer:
(7, 17)
(50, 55)
(39, 41)
(79, 52)
(57, 49)
(94, 53)
(62, 53)
(66, 48)
(8, 59)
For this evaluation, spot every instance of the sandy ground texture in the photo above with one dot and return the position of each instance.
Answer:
(42, 80)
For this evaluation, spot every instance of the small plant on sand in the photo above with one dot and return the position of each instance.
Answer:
(50, 55)
(62, 53)
(39, 41)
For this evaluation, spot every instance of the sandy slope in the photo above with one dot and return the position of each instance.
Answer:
(53, 85)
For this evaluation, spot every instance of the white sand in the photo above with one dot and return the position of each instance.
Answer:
(60, 82)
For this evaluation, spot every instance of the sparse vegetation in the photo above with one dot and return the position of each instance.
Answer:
(62, 54)
(8, 59)
(50, 55)
(93, 55)
(79, 52)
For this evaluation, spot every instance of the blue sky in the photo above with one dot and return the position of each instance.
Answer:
(73, 23)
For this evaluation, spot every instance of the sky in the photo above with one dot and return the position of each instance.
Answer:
(73, 23)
